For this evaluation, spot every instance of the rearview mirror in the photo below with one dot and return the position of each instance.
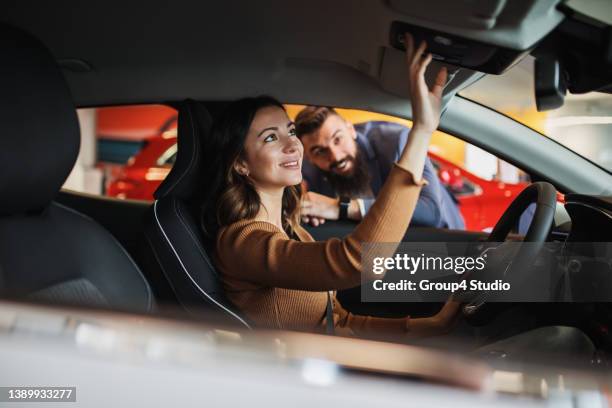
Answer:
(550, 85)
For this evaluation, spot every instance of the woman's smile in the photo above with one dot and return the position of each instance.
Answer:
(292, 164)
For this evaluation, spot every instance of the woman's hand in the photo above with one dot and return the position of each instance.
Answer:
(425, 108)
(440, 323)
(447, 315)
(425, 102)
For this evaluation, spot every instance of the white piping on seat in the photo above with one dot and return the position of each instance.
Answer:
(187, 272)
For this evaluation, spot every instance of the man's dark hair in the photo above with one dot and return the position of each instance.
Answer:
(311, 118)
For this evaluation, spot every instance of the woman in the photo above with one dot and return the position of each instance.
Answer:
(271, 268)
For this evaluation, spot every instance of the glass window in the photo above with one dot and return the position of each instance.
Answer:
(135, 148)
(126, 151)
(582, 124)
(168, 157)
(482, 184)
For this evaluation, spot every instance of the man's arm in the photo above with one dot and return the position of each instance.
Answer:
(318, 207)
(320, 204)
(427, 212)
(315, 204)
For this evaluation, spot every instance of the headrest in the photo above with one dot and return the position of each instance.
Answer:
(194, 123)
(40, 136)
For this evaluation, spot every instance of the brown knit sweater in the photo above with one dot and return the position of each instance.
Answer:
(278, 282)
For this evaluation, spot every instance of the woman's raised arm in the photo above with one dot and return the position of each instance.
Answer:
(261, 253)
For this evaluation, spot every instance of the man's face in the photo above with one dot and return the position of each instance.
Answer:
(333, 147)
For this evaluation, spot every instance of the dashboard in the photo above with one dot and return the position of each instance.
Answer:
(591, 218)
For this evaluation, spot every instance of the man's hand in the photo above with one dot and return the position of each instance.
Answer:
(316, 208)
(314, 221)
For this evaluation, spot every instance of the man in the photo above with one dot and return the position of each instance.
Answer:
(347, 166)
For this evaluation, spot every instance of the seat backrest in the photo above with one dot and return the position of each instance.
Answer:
(172, 226)
(49, 252)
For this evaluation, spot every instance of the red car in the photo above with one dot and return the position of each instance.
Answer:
(481, 202)
(144, 172)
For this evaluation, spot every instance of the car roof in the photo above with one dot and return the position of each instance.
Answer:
(312, 51)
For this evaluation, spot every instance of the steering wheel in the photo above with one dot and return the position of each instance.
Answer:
(544, 195)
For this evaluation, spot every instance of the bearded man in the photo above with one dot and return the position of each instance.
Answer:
(347, 165)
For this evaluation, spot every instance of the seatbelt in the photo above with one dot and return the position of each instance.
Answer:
(329, 315)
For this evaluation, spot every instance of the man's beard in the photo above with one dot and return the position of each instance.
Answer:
(351, 185)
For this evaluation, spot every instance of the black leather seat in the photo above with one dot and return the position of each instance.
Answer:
(49, 252)
(172, 226)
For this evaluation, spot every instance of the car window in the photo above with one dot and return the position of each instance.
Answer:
(168, 157)
(170, 161)
(481, 185)
(135, 148)
(456, 183)
(582, 124)
(126, 151)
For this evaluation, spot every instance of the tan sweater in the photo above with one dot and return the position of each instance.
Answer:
(278, 282)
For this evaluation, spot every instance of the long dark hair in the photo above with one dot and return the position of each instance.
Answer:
(230, 196)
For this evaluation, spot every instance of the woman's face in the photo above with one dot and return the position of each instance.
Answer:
(273, 151)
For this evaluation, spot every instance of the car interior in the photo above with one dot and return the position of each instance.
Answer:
(51, 252)
(60, 246)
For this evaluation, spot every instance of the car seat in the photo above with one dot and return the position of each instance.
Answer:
(172, 228)
(49, 252)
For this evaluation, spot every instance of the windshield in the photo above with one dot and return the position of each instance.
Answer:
(582, 124)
